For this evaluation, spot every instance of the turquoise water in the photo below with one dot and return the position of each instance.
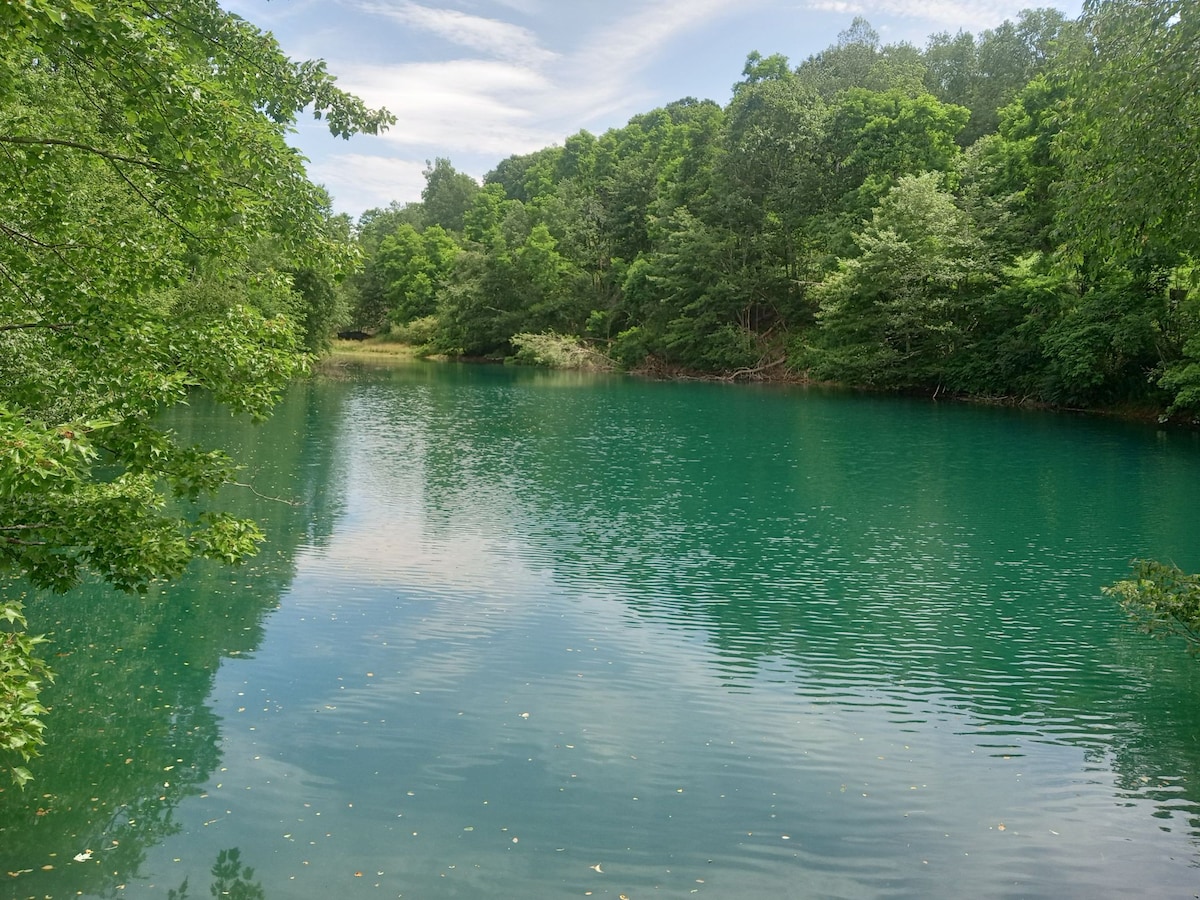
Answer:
(526, 634)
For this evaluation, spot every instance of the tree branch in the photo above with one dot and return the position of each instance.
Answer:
(53, 326)
(30, 239)
(261, 496)
(11, 279)
(86, 148)
(150, 203)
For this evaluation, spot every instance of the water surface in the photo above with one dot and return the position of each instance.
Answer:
(525, 634)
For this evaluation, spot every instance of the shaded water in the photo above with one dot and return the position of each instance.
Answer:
(524, 634)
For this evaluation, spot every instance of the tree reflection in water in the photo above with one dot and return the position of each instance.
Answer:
(131, 734)
(230, 879)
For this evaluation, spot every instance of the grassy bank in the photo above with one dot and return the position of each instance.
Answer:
(373, 347)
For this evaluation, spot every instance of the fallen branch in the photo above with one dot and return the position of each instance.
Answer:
(751, 371)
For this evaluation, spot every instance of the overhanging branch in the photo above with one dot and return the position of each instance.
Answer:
(29, 141)
(53, 326)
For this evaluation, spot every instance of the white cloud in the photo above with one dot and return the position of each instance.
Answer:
(972, 15)
(617, 53)
(526, 7)
(602, 78)
(474, 106)
(530, 97)
(511, 96)
(837, 6)
(358, 181)
(491, 37)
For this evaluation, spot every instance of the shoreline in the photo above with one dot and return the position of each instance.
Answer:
(393, 351)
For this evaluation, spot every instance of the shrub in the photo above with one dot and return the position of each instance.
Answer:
(557, 351)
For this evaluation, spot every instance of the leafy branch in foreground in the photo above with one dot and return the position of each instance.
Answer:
(1163, 600)
(158, 237)
(22, 673)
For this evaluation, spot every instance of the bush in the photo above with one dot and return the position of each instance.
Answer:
(556, 351)
(418, 332)
(631, 347)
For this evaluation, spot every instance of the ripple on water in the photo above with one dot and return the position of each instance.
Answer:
(727, 653)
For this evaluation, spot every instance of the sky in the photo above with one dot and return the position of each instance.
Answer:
(476, 81)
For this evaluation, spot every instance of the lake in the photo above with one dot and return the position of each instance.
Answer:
(529, 634)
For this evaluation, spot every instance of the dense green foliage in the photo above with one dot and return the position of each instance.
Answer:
(157, 236)
(1009, 215)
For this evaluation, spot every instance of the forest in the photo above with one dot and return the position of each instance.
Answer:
(1009, 215)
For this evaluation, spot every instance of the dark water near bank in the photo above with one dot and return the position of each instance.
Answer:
(523, 634)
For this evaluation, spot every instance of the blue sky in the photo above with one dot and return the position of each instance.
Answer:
(479, 80)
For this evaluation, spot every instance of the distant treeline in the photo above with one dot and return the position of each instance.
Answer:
(1011, 215)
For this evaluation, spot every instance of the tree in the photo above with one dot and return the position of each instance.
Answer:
(695, 306)
(846, 64)
(480, 307)
(893, 314)
(1028, 169)
(447, 195)
(952, 67)
(1131, 143)
(413, 266)
(526, 177)
(366, 287)
(1010, 55)
(770, 182)
(148, 145)
(875, 138)
(511, 278)
(984, 76)
(550, 284)
(607, 212)
(761, 68)
(858, 61)
(1105, 344)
